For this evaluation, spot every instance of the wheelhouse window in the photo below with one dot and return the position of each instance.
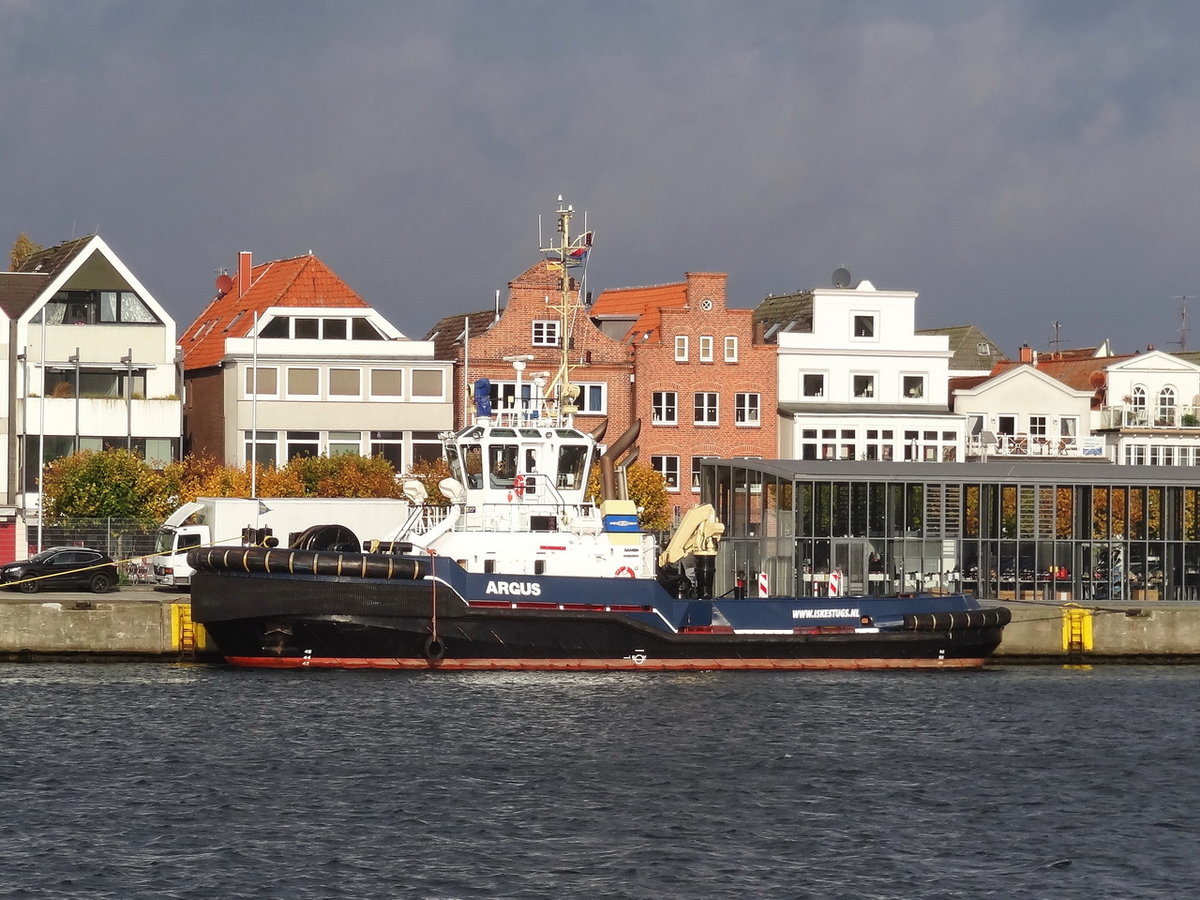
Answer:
(668, 468)
(705, 408)
(545, 333)
(665, 410)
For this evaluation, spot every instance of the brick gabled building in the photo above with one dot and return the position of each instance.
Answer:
(704, 379)
(288, 360)
(528, 328)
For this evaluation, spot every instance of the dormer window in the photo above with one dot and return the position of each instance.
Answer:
(983, 348)
(321, 328)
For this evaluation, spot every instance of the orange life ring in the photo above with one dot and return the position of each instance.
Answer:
(519, 486)
(626, 571)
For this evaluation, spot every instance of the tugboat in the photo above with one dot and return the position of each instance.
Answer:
(522, 571)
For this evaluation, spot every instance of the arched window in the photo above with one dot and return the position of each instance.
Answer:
(1165, 414)
(1136, 412)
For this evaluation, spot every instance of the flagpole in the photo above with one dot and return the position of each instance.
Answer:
(254, 417)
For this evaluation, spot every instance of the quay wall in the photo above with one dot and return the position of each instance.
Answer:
(1153, 632)
(112, 626)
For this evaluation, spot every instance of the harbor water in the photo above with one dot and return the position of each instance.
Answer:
(130, 781)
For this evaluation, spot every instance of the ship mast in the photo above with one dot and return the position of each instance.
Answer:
(566, 255)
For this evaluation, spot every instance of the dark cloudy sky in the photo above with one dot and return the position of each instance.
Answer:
(1016, 163)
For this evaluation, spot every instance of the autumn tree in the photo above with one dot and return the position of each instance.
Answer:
(430, 473)
(97, 484)
(648, 491)
(345, 475)
(22, 249)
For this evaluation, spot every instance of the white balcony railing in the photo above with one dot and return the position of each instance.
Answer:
(1129, 416)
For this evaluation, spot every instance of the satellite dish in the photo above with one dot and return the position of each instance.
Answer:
(1096, 379)
(841, 277)
(224, 284)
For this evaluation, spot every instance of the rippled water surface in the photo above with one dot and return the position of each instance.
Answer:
(190, 781)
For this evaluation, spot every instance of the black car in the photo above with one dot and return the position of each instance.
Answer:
(60, 568)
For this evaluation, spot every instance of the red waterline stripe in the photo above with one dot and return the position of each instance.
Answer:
(601, 665)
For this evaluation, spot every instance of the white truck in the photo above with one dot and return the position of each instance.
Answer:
(214, 521)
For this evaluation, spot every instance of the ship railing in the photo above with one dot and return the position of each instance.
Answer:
(526, 517)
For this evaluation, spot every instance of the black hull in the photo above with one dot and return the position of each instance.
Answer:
(349, 622)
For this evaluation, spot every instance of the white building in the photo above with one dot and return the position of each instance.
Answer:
(289, 361)
(92, 365)
(855, 379)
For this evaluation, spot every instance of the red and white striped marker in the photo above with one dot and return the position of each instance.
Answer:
(835, 583)
(763, 586)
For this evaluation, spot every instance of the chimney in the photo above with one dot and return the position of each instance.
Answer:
(1026, 354)
(244, 267)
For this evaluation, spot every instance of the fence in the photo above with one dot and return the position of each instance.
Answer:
(129, 541)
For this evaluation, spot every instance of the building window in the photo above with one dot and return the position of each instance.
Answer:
(545, 333)
(593, 398)
(262, 447)
(306, 329)
(696, 460)
(914, 386)
(681, 348)
(92, 307)
(303, 443)
(389, 445)
(731, 349)
(427, 384)
(666, 408)
(263, 384)
(864, 326)
(387, 384)
(705, 406)
(864, 386)
(342, 442)
(345, 383)
(303, 382)
(746, 409)
(668, 468)
(983, 348)
(1037, 426)
(426, 448)
(813, 385)
(1165, 414)
(706, 348)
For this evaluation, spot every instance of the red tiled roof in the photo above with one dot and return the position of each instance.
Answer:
(299, 281)
(1074, 372)
(643, 302)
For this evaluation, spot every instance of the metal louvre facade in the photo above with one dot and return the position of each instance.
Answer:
(1081, 532)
